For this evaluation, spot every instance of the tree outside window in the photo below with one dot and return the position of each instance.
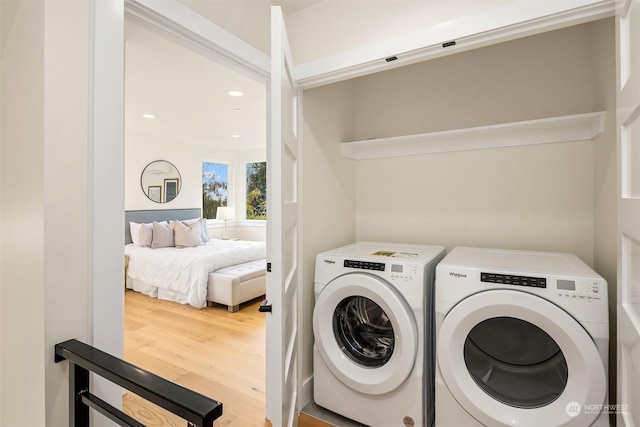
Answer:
(257, 190)
(214, 187)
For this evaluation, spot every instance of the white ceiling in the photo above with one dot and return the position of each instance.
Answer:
(188, 94)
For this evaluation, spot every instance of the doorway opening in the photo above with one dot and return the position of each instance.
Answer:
(181, 106)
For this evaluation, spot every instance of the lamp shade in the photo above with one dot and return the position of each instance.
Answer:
(225, 213)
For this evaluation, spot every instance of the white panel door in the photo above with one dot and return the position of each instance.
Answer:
(282, 234)
(628, 122)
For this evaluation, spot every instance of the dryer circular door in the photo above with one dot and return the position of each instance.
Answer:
(366, 333)
(511, 358)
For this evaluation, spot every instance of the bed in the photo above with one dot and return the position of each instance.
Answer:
(190, 270)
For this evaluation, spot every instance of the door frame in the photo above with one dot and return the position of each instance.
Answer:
(628, 204)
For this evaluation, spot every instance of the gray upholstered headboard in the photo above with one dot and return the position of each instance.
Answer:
(156, 215)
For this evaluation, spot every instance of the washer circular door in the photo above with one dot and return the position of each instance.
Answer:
(366, 333)
(511, 358)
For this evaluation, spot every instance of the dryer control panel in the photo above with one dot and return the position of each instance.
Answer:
(586, 290)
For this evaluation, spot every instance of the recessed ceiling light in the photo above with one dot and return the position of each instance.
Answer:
(237, 109)
(148, 116)
(235, 93)
(235, 135)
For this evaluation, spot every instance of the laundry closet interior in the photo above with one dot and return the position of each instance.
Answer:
(554, 196)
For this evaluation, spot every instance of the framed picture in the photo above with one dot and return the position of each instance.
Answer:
(155, 193)
(171, 187)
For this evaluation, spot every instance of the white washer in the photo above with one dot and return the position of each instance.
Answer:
(373, 353)
(522, 340)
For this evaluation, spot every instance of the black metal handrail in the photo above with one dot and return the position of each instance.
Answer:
(195, 408)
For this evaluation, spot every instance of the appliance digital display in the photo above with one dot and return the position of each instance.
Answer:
(566, 285)
(396, 268)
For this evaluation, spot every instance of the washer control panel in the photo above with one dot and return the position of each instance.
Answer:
(392, 271)
(584, 290)
(510, 279)
(364, 265)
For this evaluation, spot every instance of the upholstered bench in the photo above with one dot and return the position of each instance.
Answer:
(231, 286)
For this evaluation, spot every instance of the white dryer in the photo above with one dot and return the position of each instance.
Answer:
(373, 350)
(522, 340)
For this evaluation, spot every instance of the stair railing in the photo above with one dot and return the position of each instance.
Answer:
(196, 409)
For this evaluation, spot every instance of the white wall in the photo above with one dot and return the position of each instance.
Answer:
(141, 150)
(45, 244)
(22, 314)
(3, 27)
(66, 207)
(605, 244)
(329, 196)
(534, 197)
(531, 78)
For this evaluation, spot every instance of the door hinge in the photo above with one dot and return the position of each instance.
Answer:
(269, 267)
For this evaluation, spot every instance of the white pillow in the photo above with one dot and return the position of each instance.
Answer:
(204, 234)
(142, 233)
(162, 235)
(187, 236)
(134, 229)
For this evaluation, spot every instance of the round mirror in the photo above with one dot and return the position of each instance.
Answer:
(160, 181)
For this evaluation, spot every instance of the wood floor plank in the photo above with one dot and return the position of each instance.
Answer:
(250, 409)
(149, 414)
(225, 370)
(309, 421)
(156, 365)
(211, 351)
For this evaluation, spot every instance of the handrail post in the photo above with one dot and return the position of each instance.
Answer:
(78, 384)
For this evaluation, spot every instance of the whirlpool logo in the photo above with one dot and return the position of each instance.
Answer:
(457, 275)
(329, 261)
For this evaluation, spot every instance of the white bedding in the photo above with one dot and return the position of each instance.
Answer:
(181, 274)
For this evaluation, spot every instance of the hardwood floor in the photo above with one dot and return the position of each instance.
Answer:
(211, 351)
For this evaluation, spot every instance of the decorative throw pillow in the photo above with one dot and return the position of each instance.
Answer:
(187, 236)
(146, 235)
(162, 235)
(204, 230)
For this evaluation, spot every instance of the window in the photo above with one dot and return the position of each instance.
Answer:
(214, 187)
(257, 190)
